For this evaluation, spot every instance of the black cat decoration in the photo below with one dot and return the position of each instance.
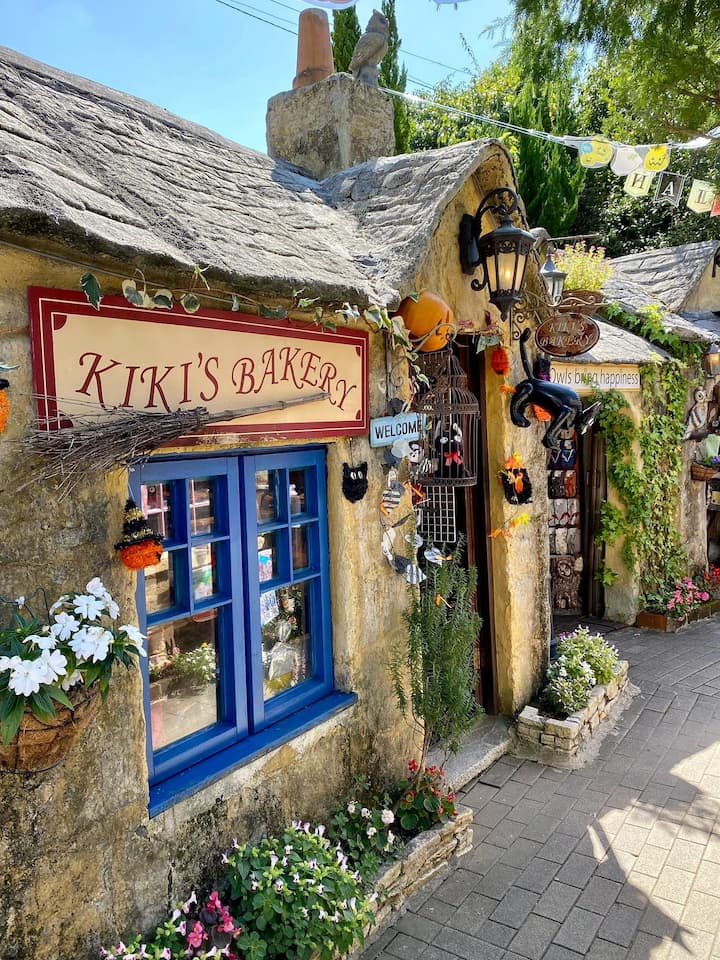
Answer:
(562, 403)
(517, 487)
(354, 481)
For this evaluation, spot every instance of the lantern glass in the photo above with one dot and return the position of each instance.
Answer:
(504, 253)
(711, 361)
(553, 279)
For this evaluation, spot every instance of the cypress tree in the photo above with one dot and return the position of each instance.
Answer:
(344, 35)
(393, 76)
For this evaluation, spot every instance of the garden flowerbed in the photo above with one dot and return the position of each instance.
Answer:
(663, 621)
(541, 735)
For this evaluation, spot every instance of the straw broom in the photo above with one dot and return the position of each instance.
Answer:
(127, 438)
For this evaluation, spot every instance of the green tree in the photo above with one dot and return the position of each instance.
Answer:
(344, 35)
(394, 77)
(669, 48)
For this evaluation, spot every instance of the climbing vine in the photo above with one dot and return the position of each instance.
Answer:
(647, 484)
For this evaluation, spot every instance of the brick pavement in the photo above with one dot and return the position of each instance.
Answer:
(619, 860)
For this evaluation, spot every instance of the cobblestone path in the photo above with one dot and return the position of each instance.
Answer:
(619, 859)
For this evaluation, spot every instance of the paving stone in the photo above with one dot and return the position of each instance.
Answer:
(511, 792)
(578, 930)
(685, 855)
(647, 947)
(702, 912)
(537, 875)
(558, 848)
(631, 839)
(534, 937)
(673, 884)
(556, 952)
(491, 814)
(604, 950)
(435, 909)
(482, 858)
(526, 810)
(707, 878)
(514, 907)
(456, 887)
(472, 914)
(651, 860)
(463, 945)
(616, 865)
(620, 924)
(557, 901)
(599, 895)
(478, 795)
(663, 835)
(496, 933)
(577, 870)
(422, 928)
(576, 823)
(594, 844)
(521, 852)
(404, 946)
(540, 828)
(505, 834)
(694, 943)
(497, 880)
(636, 890)
(500, 772)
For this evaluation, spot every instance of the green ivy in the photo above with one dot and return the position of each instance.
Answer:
(647, 485)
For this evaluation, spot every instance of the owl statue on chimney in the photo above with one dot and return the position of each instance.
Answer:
(370, 49)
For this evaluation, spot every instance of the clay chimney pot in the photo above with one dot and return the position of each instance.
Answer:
(314, 58)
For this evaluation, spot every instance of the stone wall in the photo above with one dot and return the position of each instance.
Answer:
(81, 862)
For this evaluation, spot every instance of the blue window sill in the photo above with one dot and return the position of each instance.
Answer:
(184, 784)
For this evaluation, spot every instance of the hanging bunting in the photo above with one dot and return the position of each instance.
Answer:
(638, 184)
(670, 188)
(625, 161)
(715, 212)
(595, 153)
(656, 157)
(702, 196)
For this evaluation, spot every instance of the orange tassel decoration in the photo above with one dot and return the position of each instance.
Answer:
(542, 415)
(4, 404)
(500, 361)
(140, 546)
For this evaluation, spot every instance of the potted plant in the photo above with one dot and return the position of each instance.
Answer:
(678, 603)
(193, 670)
(53, 673)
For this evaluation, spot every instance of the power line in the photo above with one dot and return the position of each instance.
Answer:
(270, 23)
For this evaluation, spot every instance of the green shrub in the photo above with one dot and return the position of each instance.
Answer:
(583, 661)
(299, 894)
(362, 826)
(425, 799)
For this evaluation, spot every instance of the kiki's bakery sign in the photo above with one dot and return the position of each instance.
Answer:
(123, 358)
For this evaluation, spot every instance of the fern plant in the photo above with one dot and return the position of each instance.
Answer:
(433, 672)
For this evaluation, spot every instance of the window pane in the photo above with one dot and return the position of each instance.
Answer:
(204, 571)
(267, 557)
(183, 677)
(156, 505)
(266, 495)
(299, 547)
(286, 653)
(160, 584)
(297, 491)
(202, 506)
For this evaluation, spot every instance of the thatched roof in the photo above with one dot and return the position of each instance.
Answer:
(107, 174)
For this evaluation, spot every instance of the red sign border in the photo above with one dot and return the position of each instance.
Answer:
(46, 305)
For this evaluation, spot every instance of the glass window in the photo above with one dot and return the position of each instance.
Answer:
(237, 611)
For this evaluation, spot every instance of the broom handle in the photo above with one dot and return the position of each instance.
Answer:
(265, 407)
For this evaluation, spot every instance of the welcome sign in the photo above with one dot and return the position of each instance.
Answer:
(122, 358)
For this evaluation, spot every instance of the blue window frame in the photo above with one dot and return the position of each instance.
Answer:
(237, 613)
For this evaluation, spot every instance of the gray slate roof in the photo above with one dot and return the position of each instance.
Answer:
(669, 273)
(85, 166)
(617, 345)
(634, 297)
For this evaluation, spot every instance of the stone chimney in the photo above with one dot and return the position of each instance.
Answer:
(328, 121)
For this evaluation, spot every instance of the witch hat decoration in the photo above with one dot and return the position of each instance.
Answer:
(140, 546)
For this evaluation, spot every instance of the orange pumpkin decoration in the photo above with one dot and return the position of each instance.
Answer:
(137, 556)
(500, 361)
(140, 546)
(429, 321)
(4, 404)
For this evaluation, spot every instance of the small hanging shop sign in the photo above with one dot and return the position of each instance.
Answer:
(567, 335)
(586, 377)
(123, 359)
(384, 431)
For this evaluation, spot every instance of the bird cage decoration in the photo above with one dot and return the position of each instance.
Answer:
(450, 415)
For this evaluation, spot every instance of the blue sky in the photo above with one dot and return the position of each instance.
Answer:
(218, 67)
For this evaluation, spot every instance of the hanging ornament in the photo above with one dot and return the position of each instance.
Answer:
(669, 189)
(702, 196)
(500, 361)
(657, 157)
(354, 481)
(595, 153)
(637, 184)
(625, 161)
(140, 546)
(515, 480)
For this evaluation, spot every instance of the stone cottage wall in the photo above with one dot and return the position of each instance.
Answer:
(80, 860)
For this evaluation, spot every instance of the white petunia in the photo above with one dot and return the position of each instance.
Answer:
(387, 817)
(60, 602)
(134, 636)
(371, 831)
(113, 609)
(351, 807)
(65, 625)
(55, 665)
(365, 813)
(9, 663)
(72, 681)
(26, 677)
(96, 587)
(88, 606)
(92, 643)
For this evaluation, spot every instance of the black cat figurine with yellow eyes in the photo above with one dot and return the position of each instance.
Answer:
(354, 481)
(562, 403)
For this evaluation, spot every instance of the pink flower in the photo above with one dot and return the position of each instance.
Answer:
(195, 937)
(704, 596)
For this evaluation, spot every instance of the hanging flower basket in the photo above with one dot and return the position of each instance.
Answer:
(40, 745)
(700, 471)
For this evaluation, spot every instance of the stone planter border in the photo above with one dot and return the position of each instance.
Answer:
(542, 735)
(426, 858)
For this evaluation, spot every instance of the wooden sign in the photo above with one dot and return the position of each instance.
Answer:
(100, 363)
(586, 377)
(567, 335)
(384, 431)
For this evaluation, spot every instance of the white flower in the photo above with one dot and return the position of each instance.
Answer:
(60, 602)
(304, 912)
(279, 885)
(365, 812)
(72, 681)
(113, 610)
(92, 643)
(55, 665)
(20, 601)
(288, 848)
(319, 830)
(387, 817)
(321, 914)
(65, 625)
(351, 807)
(134, 636)
(296, 878)
(371, 831)
(391, 838)
(88, 607)
(9, 663)
(26, 677)
(97, 588)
